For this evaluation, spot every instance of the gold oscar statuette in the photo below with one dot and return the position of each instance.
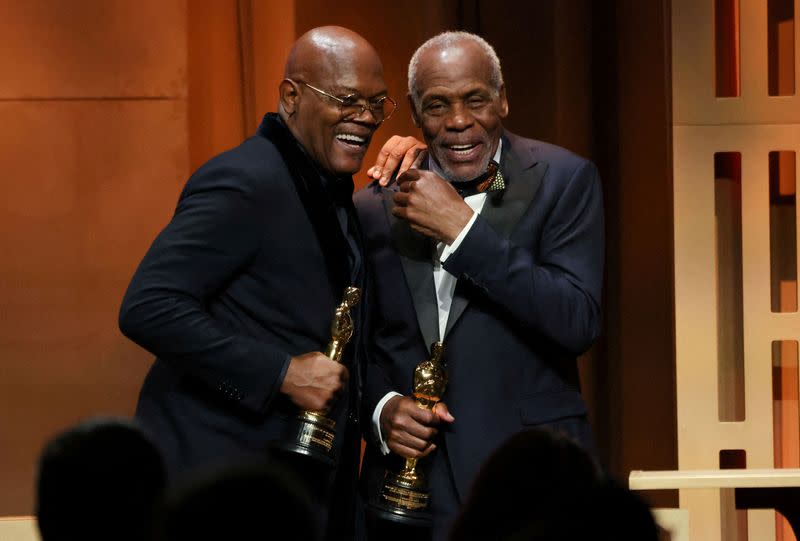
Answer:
(315, 432)
(404, 495)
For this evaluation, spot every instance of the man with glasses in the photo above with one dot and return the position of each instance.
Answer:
(494, 246)
(235, 296)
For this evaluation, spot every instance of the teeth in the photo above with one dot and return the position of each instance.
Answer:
(351, 138)
(461, 148)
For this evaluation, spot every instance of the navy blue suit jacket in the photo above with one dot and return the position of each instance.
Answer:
(527, 302)
(247, 273)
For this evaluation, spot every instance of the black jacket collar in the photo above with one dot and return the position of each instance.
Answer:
(320, 193)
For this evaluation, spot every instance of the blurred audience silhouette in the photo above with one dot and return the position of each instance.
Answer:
(100, 480)
(104, 479)
(260, 501)
(542, 486)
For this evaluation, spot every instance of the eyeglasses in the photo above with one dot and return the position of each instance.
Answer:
(353, 105)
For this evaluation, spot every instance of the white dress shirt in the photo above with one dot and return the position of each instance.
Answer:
(444, 282)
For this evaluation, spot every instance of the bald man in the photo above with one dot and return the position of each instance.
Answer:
(235, 296)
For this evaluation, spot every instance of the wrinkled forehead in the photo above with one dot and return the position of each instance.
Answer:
(463, 60)
(346, 66)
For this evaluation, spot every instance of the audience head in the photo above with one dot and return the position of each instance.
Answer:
(331, 72)
(250, 502)
(542, 486)
(100, 480)
(534, 484)
(608, 512)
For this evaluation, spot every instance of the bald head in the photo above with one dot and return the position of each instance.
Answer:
(324, 62)
(326, 48)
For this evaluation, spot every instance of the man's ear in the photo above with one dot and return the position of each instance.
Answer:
(289, 96)
(414, 113)
(503, 101)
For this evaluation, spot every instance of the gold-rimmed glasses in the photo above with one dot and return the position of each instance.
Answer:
(353, 105)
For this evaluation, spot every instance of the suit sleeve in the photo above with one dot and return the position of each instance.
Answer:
(556, 291)
(215, 232)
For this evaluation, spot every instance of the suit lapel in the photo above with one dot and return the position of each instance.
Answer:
(414, 250)
(318, 204)
(523, 176)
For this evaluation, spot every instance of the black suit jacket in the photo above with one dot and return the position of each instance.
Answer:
(247, 273)
(527, 302)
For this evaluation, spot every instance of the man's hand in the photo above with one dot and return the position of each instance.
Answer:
(408, 430)
(313, 380)
(407, 152)
(431, 205)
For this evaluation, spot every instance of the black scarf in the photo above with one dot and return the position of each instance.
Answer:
(320, 193)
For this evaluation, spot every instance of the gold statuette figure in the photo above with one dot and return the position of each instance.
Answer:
(404, 495)
(314, 431)
(342, 324)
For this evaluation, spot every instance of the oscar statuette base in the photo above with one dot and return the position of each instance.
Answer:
(403, 499)
(311, 434)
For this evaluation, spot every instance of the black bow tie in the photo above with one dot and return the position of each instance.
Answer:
(492, 180)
